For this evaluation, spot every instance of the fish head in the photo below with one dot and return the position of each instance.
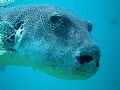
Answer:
(60, 44)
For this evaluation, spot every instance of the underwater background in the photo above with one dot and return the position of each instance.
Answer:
(105, 17)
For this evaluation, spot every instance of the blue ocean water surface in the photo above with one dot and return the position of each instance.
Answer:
(105, 17)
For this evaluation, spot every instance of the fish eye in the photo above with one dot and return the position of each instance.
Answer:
(59, 25)
(59, 20)
(56, 19)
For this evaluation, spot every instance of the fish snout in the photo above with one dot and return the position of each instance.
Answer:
(88, 55)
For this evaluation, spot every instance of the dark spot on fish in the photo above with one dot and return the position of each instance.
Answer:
(8, 41)
(18, 24)
(53, 65)
(12, 37)
(21, 27)
(77, 69)
(12, 49)
(21, 32)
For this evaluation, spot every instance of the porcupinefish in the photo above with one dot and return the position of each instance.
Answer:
(50, 39)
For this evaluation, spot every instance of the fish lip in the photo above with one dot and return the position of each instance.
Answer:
(85, 71)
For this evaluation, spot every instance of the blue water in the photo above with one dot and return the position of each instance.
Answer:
(105, 17)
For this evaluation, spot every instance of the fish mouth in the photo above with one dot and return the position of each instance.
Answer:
(89, 56)
(86, 70)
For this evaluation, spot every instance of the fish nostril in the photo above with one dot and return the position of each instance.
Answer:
(84, 59)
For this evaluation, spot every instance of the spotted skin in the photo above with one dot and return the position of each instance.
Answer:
(50, 39)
